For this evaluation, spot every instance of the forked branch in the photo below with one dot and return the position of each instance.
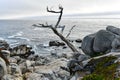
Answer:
(60, 12)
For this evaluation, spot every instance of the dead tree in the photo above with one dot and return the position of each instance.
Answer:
(54, 28)
(70, 31)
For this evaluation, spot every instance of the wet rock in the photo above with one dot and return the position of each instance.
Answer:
(103, 40)
(64, 47)
(78, 40)
(23, 51)
(87, 44)
(54, 54)
(56, 43)
(4, 45)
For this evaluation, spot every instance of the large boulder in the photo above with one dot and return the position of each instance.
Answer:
(87, 44)
(113, 30)
(103, 40)
(116, 44)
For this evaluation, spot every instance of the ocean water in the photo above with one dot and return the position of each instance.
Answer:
(17, 32)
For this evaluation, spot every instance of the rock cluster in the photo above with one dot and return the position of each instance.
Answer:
(25, 65)
(103, 41)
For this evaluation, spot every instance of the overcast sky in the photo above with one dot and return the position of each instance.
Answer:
(26, 8)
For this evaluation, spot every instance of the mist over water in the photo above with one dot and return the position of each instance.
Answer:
(17, 32)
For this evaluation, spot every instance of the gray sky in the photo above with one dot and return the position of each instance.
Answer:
(25, 8)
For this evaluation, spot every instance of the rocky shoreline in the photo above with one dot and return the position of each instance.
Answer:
(101, 59)
(24, 64)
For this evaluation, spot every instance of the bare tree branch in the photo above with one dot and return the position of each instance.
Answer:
(70, 31)
(56, 32)
(61, 12)
(62, 28)
(52, 11)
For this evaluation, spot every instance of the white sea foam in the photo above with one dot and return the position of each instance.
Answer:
(2, 38)
(36, 28)
(16, 35)
(22, 38)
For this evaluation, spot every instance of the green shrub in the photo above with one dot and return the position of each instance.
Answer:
(93, 77)
(104, 69)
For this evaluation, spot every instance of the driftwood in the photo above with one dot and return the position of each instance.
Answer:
(117, 54)
(54, 29)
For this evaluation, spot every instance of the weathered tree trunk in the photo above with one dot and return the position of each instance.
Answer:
(65, 40)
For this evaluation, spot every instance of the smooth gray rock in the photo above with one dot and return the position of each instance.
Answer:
(103, 40)
(83, 57)
(3, 68)
(87, 44)
(116, 44)
(113, 30)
